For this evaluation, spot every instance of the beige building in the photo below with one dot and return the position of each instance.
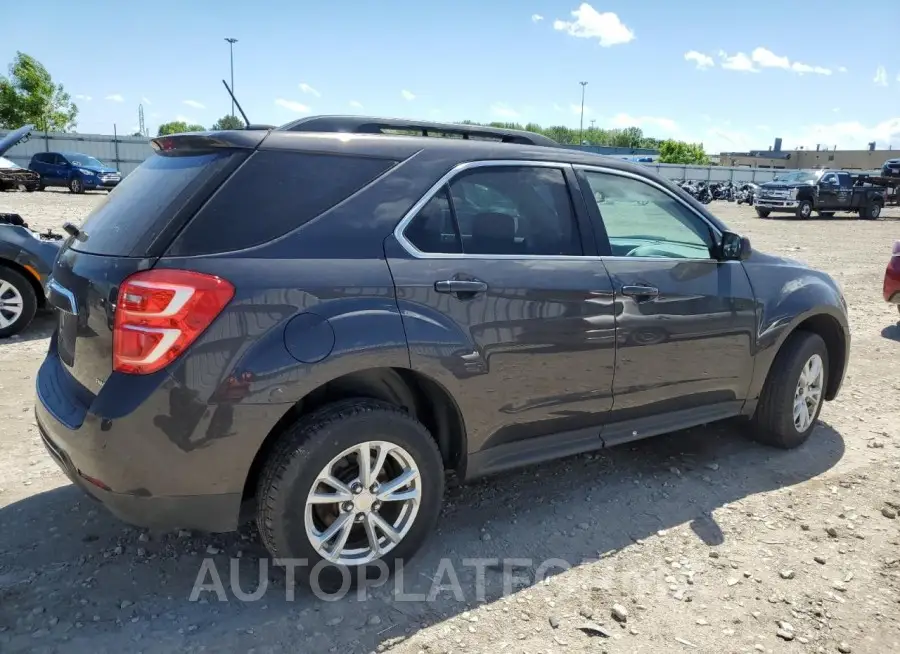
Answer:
(775, 157)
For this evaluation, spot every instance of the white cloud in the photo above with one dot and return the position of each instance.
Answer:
(660, 127)
(501, 110)
(739, 61)
(764, 58)
(86, 98)
(407, 95)
(703, 61)
(846, 135)
(296, 107)
(306, 88)
(768, 59)
(576, 109)
(146, 100)
(194, 104)
(557, 107)
(802, 69)
(590, 24)
(842, 69)
(880, 76)
(115, 97)
(536, 18)
(355, 104)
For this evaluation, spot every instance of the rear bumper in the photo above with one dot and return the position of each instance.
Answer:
(161, 461)
(211, 513)
(891, 288)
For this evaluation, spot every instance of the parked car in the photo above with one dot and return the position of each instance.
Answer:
(801, 192)
(12, 175)
(26, 260)
(77, 172)
(384, 308)
(891, 168)
(892, 277)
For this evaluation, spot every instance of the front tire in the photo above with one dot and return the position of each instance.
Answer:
(76, 186)
(804, 210)
(18, 302)
(794, 392)
(762, 213)
(355, 519)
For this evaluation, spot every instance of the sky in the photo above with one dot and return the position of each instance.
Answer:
(733, 76)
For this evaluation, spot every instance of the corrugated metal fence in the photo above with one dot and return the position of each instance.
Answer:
(124, 153)
(127, 152)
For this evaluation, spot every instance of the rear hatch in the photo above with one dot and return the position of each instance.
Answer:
(125, 234)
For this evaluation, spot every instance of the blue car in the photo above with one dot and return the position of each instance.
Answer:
(77, 172)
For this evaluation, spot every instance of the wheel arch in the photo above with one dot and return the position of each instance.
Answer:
(419, 395)
(29, 276)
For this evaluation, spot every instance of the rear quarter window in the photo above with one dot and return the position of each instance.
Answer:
(144, 205)
(272, 193)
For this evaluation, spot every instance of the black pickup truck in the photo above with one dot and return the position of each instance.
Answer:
(826, 191)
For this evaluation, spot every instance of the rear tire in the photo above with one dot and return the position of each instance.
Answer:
(18, 302)
(776, 420)
(871, 211)
(762, 213)
(325, 442)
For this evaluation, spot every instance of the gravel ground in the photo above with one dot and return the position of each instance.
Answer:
(699, 541)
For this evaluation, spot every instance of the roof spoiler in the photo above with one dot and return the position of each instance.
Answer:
(192, 143)
(375, 125)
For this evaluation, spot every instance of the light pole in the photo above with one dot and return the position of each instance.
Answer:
(581, 124)
(231, 43)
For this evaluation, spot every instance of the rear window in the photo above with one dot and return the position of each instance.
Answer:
(147, 201)
(272, 193)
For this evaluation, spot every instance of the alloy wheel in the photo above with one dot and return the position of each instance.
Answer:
(363, 503)
(808, 394)
(11, 304)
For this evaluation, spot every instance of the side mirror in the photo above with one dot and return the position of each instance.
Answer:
(735, 247)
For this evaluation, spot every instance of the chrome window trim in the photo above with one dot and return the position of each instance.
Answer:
(469, 165)
(446, 179)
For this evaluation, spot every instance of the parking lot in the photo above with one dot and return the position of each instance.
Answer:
(708, 541)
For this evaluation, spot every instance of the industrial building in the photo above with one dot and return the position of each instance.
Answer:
(800, 158)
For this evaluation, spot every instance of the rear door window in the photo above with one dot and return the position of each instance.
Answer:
(273, 193)
(155, 195)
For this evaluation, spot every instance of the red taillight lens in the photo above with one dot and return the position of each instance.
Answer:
(159, 313)
(896, 248)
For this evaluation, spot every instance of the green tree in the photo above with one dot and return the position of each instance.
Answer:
(228, 122)
(679, 152)
(29, 95)
(178, 127)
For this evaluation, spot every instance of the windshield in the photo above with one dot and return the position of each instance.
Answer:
(799, 176)
(6, 163)
(84, 161)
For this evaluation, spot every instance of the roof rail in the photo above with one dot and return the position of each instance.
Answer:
(375, 125)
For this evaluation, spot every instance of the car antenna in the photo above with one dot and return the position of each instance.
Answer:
(237, 104)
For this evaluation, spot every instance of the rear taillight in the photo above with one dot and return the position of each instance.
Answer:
(896, 249)
(159, 313)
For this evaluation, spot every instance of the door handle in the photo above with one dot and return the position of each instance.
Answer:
(460, 286)
(640, 291)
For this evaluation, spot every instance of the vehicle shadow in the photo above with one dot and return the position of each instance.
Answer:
(891, 332)
(41, 327)
(65, 556)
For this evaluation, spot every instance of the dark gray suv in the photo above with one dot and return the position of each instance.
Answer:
(319, 320)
